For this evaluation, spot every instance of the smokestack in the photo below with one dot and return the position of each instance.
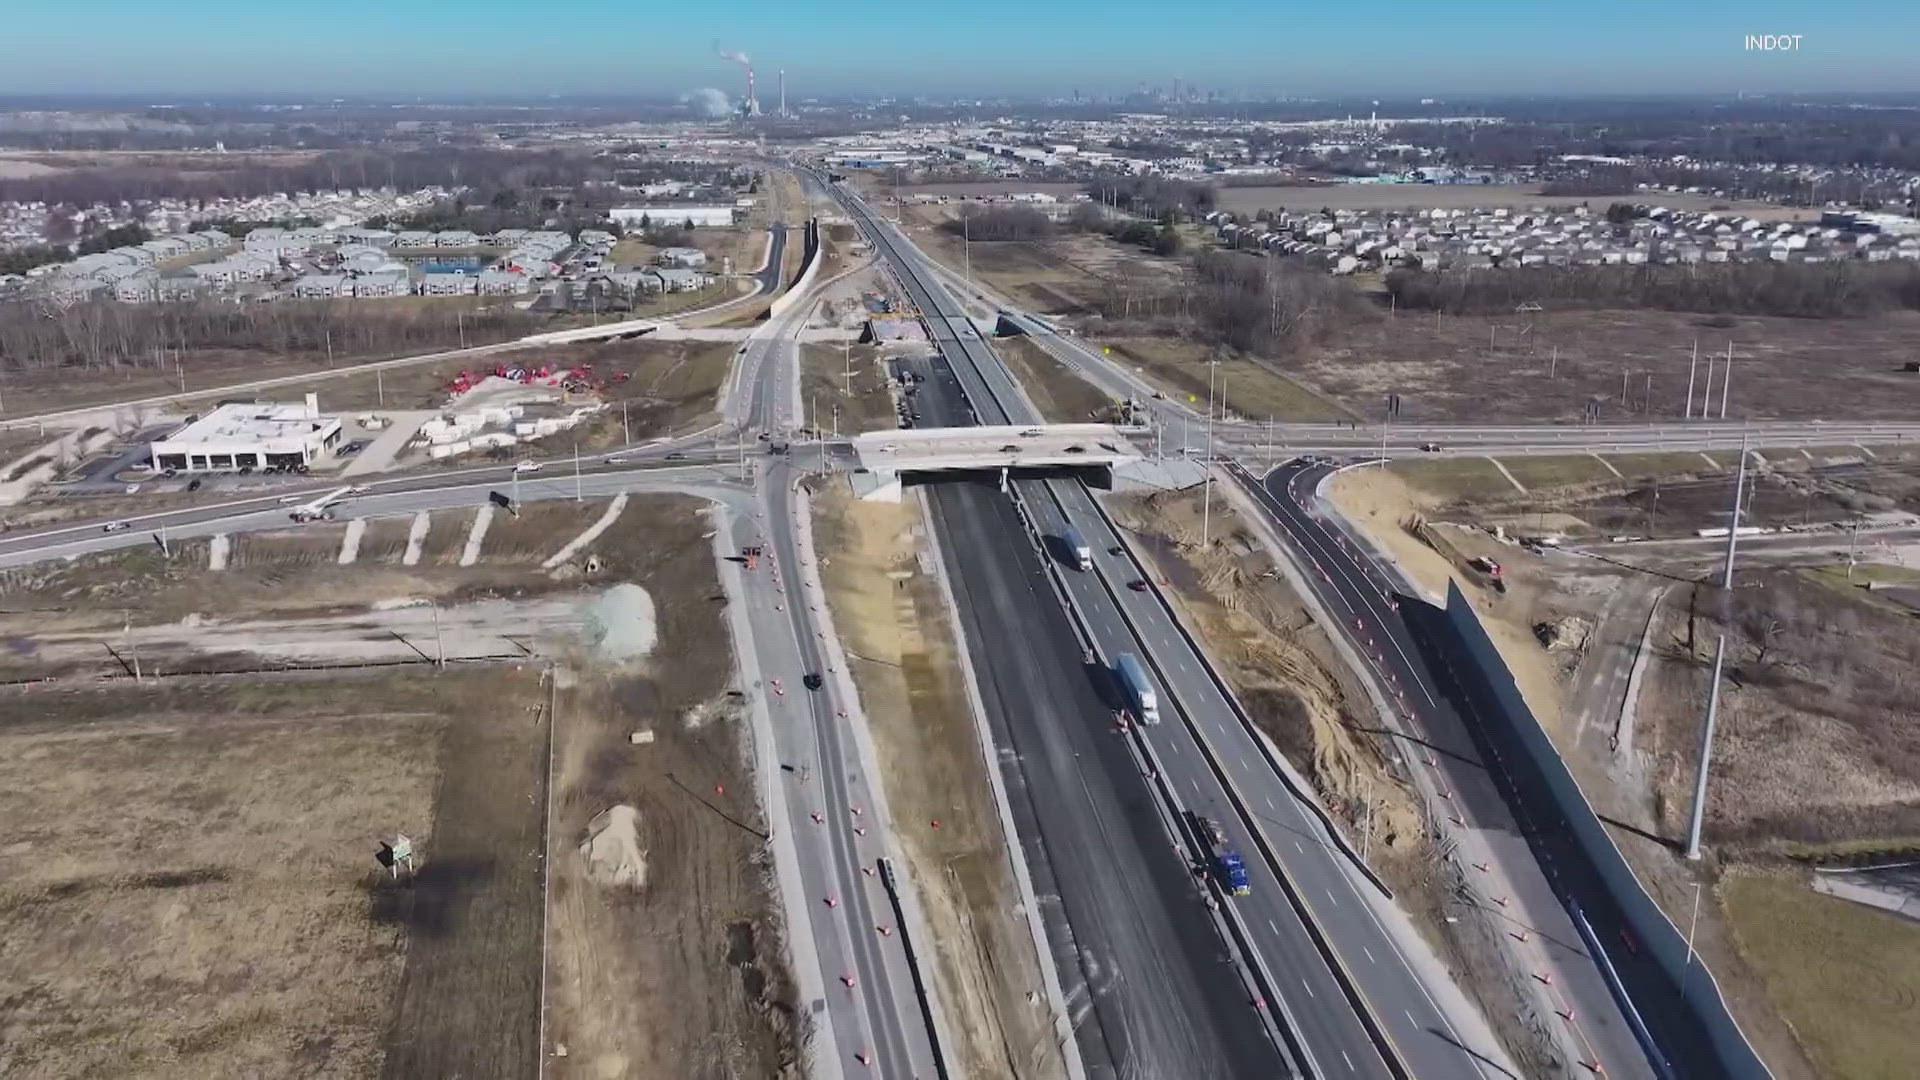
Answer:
(783, 93)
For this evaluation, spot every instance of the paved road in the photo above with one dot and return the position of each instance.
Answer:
(836, 806)
(1355, 591)
(1220, 765)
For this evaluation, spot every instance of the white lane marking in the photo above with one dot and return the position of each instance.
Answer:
(1272, 927)
(1348, 1060)
(1369, 953)
(1331, 897)
(1309, 989)
(1268, 799)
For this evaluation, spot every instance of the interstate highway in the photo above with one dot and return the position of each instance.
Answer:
(1417, 1026)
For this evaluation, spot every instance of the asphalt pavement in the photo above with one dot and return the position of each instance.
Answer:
(1358, 1003)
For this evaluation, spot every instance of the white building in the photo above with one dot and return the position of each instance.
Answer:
(247, 436)
(656, 216)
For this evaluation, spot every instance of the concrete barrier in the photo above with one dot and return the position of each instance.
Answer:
(808, 269)
(1678, 1014)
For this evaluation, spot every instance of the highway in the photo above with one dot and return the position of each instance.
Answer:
(1443, 758)
(1358, 1002)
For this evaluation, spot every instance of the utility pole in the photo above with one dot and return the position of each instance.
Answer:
(1719, 663)
(1691, 365)
(1726, 381)
(439, 644)
(626, 431)
(380, 385)
(576, 468)
(1206, 491)
(1553, 364)
(132, 649)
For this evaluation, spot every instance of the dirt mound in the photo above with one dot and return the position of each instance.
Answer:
(620, 622)
(612, 848)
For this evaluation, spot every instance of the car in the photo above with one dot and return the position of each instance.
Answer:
(812, 680)
(285, 499)
(193, 484)
(1116, 550)
(527, 466)
(1076, 449)
(1031, 433)
(133, 489)
(1138, 584)
(1010, 448)
(1430, 447)
(676, 456)
(115, 526)
(616, 459)
(357, 489)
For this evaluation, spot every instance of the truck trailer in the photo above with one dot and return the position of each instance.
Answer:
(1139, 688)
(1078, 551)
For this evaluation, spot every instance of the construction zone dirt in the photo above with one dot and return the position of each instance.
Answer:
(682, 974)
(898, 635)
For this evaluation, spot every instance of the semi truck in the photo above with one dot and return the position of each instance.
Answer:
(1226, 865)
(1078, 552)
(1139, 689)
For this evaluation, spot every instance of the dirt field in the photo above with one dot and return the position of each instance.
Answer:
(1483, 368)
(682, 977)
(228, 917)
(1061, 396)
(825, 380)
(1247, 200)
(906, 665)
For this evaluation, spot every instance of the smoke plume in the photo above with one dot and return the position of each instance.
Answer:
(708, 102)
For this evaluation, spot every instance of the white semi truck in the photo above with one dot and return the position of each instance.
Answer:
(1140, 694)
(1078, 552)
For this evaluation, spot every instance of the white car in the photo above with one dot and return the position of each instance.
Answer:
(115, 526)
(285, 499)
(358, 489)
(527, 466)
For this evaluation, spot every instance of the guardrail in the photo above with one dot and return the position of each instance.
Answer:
(920, 993)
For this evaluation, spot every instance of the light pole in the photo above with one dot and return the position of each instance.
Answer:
(1719, 663)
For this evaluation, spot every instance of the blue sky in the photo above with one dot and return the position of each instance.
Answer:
(986, 47)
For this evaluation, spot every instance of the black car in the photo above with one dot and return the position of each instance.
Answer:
(676, 456)
(813, 681)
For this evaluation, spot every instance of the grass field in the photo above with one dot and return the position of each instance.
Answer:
(1062, 396)
(826, 375)
(1244, 386)
(1549, 365)
(224, 915)
(1845, 976)
(1453, 477)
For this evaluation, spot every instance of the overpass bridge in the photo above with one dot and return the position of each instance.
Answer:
(883, 456)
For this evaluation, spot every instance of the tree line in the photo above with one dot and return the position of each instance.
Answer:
(100, 336)
(1804, 290)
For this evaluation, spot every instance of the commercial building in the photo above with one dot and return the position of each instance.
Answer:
(249, 436)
